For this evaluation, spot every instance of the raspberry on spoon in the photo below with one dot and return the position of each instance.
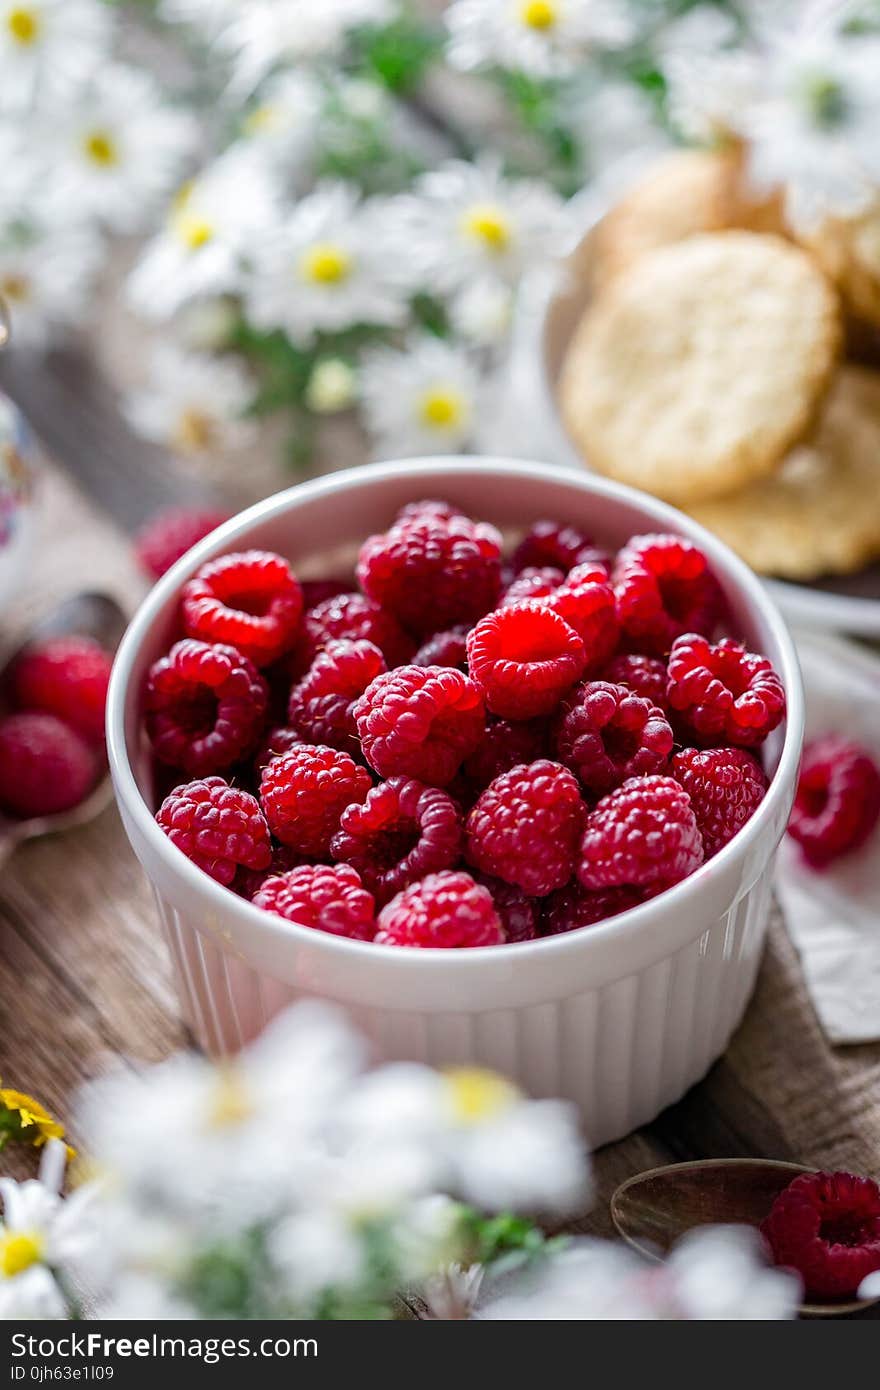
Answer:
(827, 1227)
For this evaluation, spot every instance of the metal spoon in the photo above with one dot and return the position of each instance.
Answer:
(653, 1209)
(88, 615)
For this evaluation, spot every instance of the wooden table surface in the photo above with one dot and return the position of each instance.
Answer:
(84, 974)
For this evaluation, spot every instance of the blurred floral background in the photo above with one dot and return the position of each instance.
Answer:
(300, 211)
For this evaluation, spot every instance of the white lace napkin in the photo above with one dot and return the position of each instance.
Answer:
(833, 917)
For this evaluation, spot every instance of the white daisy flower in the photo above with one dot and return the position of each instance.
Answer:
(327, 267)
(212, 224)
(49, 46)
(482, 312)
(544, 38)
(264, 34)
(42, 1236)
(814, 127)
(332, 386)
(194, 403)
(46, 277)
(422, 400)
(284, 121)
(118, 149)
(466, 222)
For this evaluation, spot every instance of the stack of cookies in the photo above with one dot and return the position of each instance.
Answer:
(711, 368)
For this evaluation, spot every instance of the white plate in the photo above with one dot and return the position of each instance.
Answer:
(549, 311)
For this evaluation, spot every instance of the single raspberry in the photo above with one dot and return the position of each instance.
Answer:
(607, 734)
(356, 619)
(432, 571)
(546, 543)
(723, 692)
(526, 825)
(45, 766)
(220, 828)
(586, 601)
(315, 591)
(171, 533)
(445, 909)
(827, 1227)
(327, 897)
(646, 675)
(837, 804)
(643, 834)
(67, 676)
(532, 582)
(523, 659)
(321, 706)
(504, 745)
(725, 786)
(447, 648)
(573, 906)
(304, 792)
(250, 600)
(664, 587)
(420, 721)
(517, 912)
(204, 707)
(403, 831)
(277, 741)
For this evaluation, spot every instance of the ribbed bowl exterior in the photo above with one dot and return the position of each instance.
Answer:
(620, 1018)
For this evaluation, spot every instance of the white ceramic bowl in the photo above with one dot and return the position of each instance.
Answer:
(622, 1017)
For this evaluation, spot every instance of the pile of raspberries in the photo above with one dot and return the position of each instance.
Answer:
(468, 749)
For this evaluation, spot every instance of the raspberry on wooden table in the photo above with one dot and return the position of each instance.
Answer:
(532, 583)
(504, 745)
(573, 906)
(664, 587)
(586, 601)
(321, 706)
(205, 707)
(169, 534)
(837, 803)
(725, 785)
(220, 828)
(446, 910)
(645, 675)
(643, 834)
(304, 793)
(447, 648)
(519, 914)
(827, 1227)
(526, 825)
(354, 618)
(402, 831)
(327, 897)
(547, 543)
(66, 676)
(250, 600)
(45, 766)
(722, 693)
(432, 571)
(523, 659)
(607, 734)
(420, 721)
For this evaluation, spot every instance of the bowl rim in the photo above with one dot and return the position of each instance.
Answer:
(278, 931)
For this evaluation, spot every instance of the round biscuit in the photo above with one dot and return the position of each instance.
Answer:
(848, 250)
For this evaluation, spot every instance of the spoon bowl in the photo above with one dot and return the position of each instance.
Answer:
(652, 1210)
(87, 615)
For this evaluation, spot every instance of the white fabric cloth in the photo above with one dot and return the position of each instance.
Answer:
(833, 916)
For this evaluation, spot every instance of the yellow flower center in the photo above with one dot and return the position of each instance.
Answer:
(261, 119)
(477, 1095)
(101, 148)
(487, 224)
(538, 14)
(24, 26)
(193, 231)
(326, 264)
(442, 408)
(19, 1250)
(194, 432)
(230, 1105)
(15, 288)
